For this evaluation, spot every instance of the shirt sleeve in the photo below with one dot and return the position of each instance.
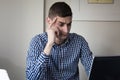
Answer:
(36, 62)
(86, 57)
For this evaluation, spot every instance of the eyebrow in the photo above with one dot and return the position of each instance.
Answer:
(64, 22)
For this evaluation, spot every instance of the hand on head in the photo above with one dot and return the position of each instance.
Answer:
(53, 31)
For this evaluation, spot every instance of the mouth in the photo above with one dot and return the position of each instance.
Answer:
(64, 36)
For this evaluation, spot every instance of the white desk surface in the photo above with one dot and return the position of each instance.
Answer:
(4, 75)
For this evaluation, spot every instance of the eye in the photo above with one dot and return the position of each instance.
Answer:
(69, 24)
(61, 24)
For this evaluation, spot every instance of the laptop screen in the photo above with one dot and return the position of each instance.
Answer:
(105, 68)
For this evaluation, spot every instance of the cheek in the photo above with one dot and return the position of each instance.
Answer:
(65, 31)
(69, 28)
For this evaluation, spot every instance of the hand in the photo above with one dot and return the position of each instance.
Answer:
(52, 31)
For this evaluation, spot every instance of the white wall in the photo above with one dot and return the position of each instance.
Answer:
(20, 20)
(103, 36)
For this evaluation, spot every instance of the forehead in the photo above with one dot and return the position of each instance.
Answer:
(67, 19)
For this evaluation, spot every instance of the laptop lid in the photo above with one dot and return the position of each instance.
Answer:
(105, 68)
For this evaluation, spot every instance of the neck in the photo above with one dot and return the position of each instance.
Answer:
(59, 42)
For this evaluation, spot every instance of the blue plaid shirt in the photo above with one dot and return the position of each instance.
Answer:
(62, 63)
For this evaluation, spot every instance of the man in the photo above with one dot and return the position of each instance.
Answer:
(54, 54)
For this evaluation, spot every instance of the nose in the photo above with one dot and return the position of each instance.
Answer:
(66, 29)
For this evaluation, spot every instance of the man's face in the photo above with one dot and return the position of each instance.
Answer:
(63, 25)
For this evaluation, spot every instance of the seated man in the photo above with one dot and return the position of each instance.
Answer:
(54, 54)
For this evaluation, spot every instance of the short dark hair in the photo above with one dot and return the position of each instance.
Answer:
(60, 9)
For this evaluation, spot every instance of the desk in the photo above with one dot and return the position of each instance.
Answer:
(4, 75)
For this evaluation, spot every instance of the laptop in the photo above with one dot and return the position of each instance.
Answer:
(105, 68)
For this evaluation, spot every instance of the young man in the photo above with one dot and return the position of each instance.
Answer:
(54, 54)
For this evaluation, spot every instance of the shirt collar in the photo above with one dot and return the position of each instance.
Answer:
(67, 41)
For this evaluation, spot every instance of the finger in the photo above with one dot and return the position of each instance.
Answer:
(57, 32)
(53, 22)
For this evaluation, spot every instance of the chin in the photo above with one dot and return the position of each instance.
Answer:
(63, 38)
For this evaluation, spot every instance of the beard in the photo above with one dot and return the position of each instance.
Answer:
(61, 38)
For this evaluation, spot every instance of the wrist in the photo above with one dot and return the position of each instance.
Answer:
(47, 48)
(50, 43)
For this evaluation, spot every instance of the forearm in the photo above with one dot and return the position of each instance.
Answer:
(37, 59)
(48, 48)
(36, 69)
